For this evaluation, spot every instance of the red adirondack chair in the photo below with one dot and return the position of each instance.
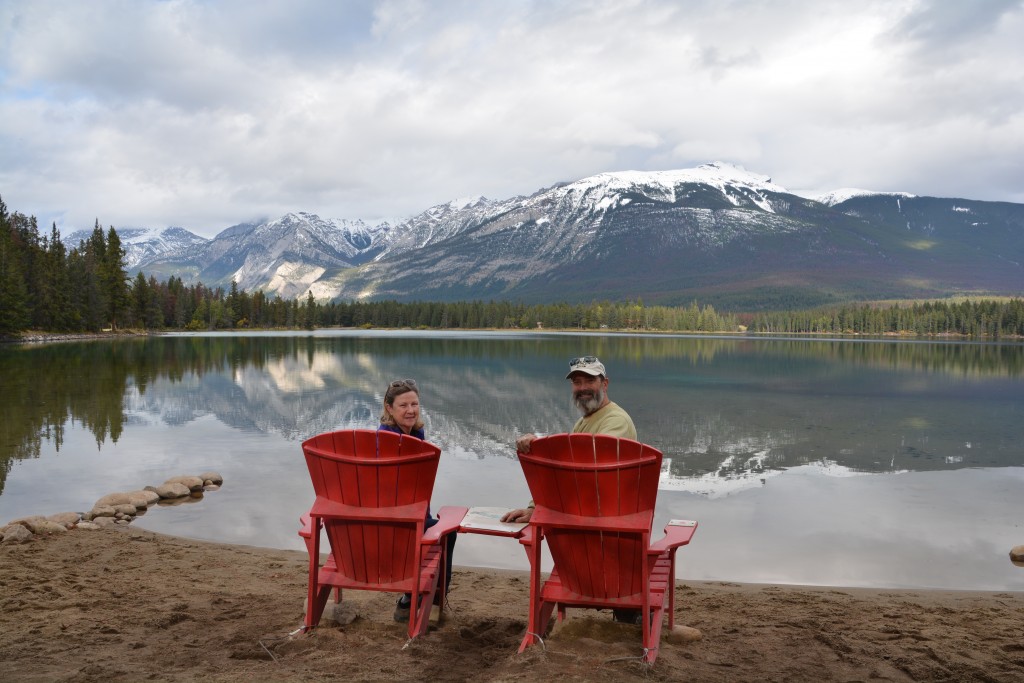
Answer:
(372, 494)
(594, 498)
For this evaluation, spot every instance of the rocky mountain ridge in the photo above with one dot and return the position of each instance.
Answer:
(716, 233)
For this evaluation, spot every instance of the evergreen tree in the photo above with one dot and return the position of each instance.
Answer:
(25, 233)
(154, 314)
(14, 313)
(141, 298)
(94, 305)
(234, 304)
(114, 279)
(311, 312)
(58, 284)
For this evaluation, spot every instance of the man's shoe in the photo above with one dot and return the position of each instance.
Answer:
(627, 616)
(402, 609)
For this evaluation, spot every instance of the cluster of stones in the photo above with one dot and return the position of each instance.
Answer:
(112, 509)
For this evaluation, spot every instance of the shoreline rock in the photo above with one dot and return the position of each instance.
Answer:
(117, 508)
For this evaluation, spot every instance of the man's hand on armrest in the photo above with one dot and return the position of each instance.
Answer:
(523, 442)
(519, 515)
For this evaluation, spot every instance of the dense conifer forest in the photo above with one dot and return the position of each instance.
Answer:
(46, 287)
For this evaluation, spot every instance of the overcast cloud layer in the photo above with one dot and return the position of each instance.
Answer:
(207, 113)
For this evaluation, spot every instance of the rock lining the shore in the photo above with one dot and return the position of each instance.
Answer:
(113, 509)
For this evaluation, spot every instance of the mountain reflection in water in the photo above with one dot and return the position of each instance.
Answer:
(731, 415)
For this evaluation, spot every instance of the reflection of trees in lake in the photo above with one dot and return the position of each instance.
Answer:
(46, 387)
(965, 358)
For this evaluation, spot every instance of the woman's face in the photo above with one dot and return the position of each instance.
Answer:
(405, 410)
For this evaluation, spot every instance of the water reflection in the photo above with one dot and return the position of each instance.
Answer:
(776, 446)
(726, 412)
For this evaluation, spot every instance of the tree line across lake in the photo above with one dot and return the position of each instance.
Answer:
(45, 286)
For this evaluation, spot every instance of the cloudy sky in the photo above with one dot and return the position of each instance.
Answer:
(207, 113)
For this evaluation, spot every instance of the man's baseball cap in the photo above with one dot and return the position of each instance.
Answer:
(588, 364)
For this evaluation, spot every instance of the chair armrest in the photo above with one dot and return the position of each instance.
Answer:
(527, 535)
(675, 536)
(307, 526)
(635, 522)
(448, 520)
(325, 508)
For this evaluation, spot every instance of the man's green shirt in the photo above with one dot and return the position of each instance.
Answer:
(611, 420)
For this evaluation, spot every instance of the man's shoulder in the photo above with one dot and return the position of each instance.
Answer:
(614, 407)
(613, 411)
(611, 419)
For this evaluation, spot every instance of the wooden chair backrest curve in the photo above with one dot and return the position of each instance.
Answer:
(379, 470)
(596, 476)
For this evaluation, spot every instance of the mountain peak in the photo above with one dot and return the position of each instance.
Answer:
(841, 195)
(717, 174)
(467, 202)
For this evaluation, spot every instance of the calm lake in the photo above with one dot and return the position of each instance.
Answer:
(828, 462)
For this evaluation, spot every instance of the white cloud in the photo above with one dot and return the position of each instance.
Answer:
(205, 114)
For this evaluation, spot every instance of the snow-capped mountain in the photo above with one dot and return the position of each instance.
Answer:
(839, 196)
(562, 221)
(142, 245)
(576, 239)
(285, 255)
(716, 233)
(434, 225)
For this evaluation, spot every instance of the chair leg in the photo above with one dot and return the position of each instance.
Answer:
(653, 640)
(315, 606)
(534, 628)
(423, 600)
(671, 588)
(531, 628)
(546, 610)
(419, 616)
(540, 617)
(446, 548)
(316, 595)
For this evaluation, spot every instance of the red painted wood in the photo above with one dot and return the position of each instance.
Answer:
(372, 494)
(595, 497)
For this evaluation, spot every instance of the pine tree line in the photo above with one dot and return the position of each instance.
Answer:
(43, 286)
(980, 318)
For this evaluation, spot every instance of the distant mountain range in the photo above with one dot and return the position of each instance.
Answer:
(716, 234)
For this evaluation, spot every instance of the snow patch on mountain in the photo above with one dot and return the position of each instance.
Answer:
(839, 196)
(736, 184)
(467, 202)
(719, 175)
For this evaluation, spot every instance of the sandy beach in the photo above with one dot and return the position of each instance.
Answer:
(125, 604)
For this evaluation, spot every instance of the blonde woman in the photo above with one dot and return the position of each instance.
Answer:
(401, 415)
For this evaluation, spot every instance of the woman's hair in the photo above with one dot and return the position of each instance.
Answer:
(396, 389)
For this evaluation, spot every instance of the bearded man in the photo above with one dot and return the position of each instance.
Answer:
(600, 415)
